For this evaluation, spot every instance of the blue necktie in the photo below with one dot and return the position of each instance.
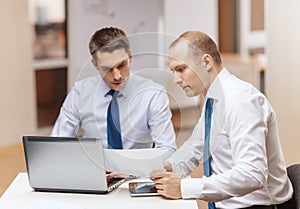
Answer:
(114, 138)
(206, 154)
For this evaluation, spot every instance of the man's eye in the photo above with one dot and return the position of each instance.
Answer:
(122, 64)
(180, 69)
(106, 69)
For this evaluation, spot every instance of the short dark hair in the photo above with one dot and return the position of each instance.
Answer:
(200, 43)
(108, 40)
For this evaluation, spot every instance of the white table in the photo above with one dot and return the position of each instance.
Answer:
(20, 195)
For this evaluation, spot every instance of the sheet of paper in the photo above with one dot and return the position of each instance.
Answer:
(136, 162)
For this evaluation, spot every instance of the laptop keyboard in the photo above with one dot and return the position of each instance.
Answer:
(113, 181)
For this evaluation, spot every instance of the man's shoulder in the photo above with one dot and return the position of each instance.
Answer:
(87, 86)
(142, 82)
(88, 82)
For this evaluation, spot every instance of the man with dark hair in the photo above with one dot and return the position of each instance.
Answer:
(236, 136)
(126, 110)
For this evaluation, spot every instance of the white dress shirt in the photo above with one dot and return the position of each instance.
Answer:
(247, 163)
(145, 116)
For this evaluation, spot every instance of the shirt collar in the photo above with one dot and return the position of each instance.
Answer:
(215, 91)
(125, 91)
(122, 92)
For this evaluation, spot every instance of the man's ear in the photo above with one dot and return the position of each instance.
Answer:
(130, 57)
(208, 61)
(94, 62)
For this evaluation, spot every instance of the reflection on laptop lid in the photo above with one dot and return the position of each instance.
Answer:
(65, 164)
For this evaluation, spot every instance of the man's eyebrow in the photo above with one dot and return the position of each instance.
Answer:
(177, 67)
(119, 63)
(105, 67)
(122, 62)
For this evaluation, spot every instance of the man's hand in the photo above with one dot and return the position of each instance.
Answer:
(167, 184)
(110, 175)
(167, 166)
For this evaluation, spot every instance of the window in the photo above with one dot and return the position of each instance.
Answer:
(48, 19)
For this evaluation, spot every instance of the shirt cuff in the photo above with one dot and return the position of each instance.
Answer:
(191, 188)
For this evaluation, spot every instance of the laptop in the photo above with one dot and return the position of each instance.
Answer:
(67, 164)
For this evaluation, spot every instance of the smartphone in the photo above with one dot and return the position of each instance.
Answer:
(146, 188)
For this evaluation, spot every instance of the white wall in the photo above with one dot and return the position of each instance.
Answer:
(181, 16)
(17, 107)
(283, 73)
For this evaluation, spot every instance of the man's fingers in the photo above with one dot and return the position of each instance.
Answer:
(160, 186)
(115, 175)
(165, 194)
(157, 175)
(160, 175)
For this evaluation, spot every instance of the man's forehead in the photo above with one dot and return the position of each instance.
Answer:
(181, 47)
(109, 59)
(179, 53)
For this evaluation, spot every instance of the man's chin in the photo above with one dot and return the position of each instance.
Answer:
(189, 94)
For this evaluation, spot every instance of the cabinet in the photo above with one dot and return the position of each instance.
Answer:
(51, 90)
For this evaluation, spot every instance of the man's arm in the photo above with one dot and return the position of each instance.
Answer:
(189, 154)
(160, 123)
(67, 123)
(249, 171)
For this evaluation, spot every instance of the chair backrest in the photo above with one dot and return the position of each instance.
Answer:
(294, 175)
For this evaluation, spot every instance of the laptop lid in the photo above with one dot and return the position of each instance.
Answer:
(66, 164)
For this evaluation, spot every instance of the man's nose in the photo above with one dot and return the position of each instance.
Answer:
(177, 78)
(116, 74)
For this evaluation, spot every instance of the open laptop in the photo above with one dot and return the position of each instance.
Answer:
(64, 164)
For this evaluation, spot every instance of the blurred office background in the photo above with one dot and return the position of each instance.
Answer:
(44, 50)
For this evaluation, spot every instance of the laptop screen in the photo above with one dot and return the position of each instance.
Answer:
(65, 164)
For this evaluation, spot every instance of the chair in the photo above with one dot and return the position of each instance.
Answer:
(294, 175)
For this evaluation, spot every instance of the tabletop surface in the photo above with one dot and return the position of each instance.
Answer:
(20, 195)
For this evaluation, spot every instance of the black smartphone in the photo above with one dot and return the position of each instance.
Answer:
(146, 188)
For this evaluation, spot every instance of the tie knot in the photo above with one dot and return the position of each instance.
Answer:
(112, 93)
(209, 103)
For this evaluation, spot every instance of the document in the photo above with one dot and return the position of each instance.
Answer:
(135, 162)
